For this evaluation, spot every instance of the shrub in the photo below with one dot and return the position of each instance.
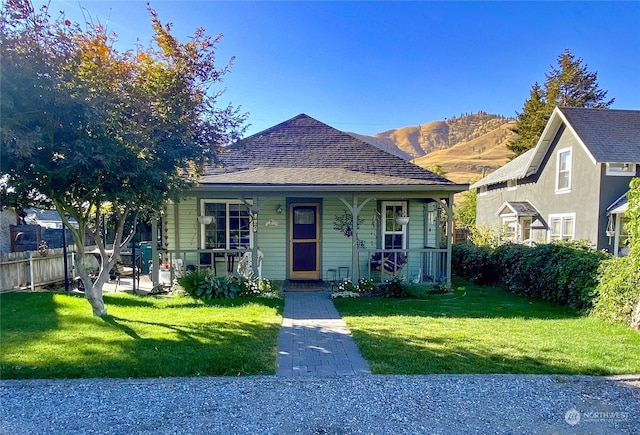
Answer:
(562, 272)
(422, 290)
(618, 290)
(192, 279)
(393, 288)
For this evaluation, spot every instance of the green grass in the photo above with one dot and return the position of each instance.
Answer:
(55, 335)
(486, 330)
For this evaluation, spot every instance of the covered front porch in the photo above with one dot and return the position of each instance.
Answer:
(302, 235)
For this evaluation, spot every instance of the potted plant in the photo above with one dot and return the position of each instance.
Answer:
(402, 218)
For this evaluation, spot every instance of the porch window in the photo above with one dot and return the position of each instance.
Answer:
(621, 169)
(394, 235)
(563, 180)
(231, 226)
(562, 227)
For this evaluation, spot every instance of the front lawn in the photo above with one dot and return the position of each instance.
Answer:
(54, 335)
(486, 330)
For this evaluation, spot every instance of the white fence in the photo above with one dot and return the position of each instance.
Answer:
(23, 270)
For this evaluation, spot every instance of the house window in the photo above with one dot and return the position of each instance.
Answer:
(510, 227)
(621, 169)
(394, 235)
(231, 226)
(512, 184)
(563, 179)
(562, 226)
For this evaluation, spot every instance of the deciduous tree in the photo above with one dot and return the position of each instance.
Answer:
(91, 129)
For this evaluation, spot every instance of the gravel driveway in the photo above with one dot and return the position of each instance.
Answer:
(373, 404)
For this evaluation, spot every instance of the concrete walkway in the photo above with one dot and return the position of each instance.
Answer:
(314, 340)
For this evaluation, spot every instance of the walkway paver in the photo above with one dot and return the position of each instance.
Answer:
(314, 340)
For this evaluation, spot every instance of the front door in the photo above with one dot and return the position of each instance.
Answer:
(304, 241)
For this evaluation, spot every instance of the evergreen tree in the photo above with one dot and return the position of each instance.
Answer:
(570, 84)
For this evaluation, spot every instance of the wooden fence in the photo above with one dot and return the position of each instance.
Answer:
(28, 270)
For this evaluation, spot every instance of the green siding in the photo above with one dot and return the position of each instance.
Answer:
(272, 235)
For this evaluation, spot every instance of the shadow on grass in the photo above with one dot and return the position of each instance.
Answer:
(45, 335)
(390, 355)
(467, 301)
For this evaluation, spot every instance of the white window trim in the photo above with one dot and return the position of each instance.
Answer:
(512, 184)
(618, 173)
(227, 202)
(561, 151)
(384, 231)
(562, 216)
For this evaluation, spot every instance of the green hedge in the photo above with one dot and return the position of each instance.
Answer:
(618, 290)
(562, 272)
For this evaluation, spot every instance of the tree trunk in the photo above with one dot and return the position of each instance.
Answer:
(635, 320)
(94, 296)
(93, 293)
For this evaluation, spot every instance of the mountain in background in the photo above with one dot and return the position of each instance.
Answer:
(465, 147)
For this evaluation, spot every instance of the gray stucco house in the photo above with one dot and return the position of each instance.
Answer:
(311, 202)
(572, 185)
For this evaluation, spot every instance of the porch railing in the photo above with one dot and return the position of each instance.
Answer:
(416, 265)
(421, 265)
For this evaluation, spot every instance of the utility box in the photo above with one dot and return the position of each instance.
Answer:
(146, 254)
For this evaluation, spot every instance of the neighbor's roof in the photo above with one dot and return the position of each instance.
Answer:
(305, 152)
(519, 208)
(510, 171)
(610, 135)
(607, 135)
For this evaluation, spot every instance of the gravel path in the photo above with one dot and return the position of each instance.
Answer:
(457, 404)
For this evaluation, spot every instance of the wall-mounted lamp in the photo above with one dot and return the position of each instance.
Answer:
(206, 220)
(279, 209)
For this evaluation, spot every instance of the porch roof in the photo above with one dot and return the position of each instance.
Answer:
(619, 206)
(306, 153)
(519, 208)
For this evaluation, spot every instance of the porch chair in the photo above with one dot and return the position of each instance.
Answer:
(390, 263)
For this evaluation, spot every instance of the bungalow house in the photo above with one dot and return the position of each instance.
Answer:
(572, 185)
(310, 202)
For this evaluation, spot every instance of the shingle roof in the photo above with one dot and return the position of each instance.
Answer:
(510, 171)
(620, 205)
(610, 135)
(304, 151)
(523, 208)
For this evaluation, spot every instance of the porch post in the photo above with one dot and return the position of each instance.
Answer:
(355, 255)
(354, 209)
(449, 236)
(255, 210)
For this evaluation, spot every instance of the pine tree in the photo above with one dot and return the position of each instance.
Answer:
(570, 84)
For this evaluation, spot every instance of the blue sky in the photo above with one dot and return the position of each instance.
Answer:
(367, 67)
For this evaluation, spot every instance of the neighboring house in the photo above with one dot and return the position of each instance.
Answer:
(313, 202)
(46, 218)
(8, 217)
(572, 185)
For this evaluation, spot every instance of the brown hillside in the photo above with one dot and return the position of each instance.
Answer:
(465, 161)
(465, 147)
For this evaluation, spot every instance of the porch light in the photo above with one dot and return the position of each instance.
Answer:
(279, 209)
(206, 220)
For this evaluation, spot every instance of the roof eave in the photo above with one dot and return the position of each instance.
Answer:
(451, 188)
